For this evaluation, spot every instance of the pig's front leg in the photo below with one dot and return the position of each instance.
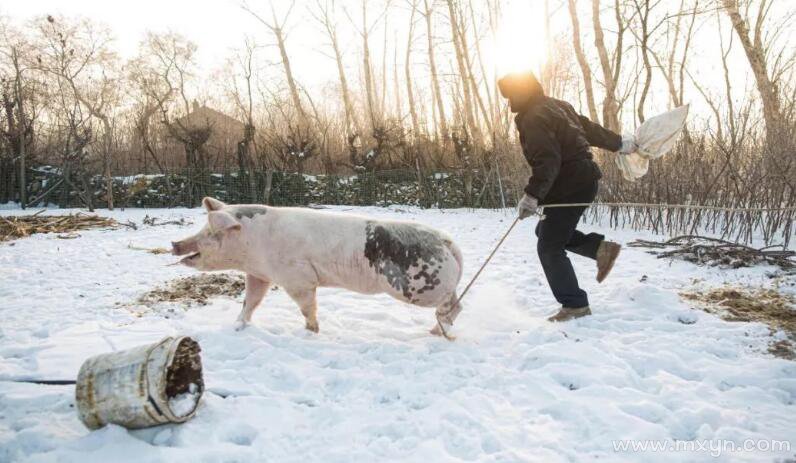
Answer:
(307, 302)
(255, 292)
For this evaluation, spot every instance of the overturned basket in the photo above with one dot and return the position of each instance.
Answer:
(141, 387)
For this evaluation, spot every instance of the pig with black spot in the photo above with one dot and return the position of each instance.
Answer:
(303, 249)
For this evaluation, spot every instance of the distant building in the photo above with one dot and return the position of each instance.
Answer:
(221, 148)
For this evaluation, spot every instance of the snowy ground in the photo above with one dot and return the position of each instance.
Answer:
(373, 385)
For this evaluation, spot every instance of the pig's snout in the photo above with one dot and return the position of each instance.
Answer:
(180, 248)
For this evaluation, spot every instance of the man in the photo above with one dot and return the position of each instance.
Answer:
(556, 140)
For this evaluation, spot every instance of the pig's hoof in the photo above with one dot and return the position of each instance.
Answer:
(239, 325)
(312, 326)
(437, 331)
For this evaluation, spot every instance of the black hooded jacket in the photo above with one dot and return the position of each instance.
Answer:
(556, 140)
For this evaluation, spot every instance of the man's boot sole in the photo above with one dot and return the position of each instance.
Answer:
(602, 274)
(553, 318)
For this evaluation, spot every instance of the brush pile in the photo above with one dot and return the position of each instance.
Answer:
(21, 226)
(715, 252)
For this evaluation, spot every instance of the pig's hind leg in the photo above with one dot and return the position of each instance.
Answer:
(255, 292)
(446, 315)
(308, 303)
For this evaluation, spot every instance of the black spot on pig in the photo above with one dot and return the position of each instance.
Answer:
(392, 249)
(249, 211)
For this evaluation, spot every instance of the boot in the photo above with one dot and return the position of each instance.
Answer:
(566, 314)
(606, 256)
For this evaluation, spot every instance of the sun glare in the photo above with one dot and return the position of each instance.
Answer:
(519, 43)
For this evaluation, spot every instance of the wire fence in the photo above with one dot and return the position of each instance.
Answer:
(466, 188)
(187, 187)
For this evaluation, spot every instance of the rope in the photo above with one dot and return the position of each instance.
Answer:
(467, 288)
(48, 382)
(475, 277)
(675, 206)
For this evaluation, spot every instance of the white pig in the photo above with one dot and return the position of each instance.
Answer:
(303, 249)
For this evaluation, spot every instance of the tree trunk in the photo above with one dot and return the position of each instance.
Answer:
(489, 97)
(469, 118)
(352, 123)
(291, 82)
(546, 76)
(382, 105)
(644, 18)
(21, 130)
(367, 69)
(408, 72)
(269, 177)
(684, 59)
(584, 65)
(674, 83)
(437, 93)
(106, 160)
(755, 53)
(276, 28)
(396, 82)
(471, 76)
(610, 104)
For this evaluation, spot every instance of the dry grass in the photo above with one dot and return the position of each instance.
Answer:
(195, 289)
(21, 226)
(155, 251)
(768, 306)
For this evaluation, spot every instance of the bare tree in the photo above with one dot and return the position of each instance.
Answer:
(325, 15)
(428, 11)
(244, 68)
(643, 10)
(371, 98)
(755, 50)
(277, 28)
(19, 123)
(408, 70)
(582, 62)
(396, 82)
(611, 67)
(79, 56)
(463, 70)
(163, 71)
(675, 82)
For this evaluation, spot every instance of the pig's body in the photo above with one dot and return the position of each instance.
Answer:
(303, 249)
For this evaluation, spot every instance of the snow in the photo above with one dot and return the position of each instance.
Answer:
(373, 385)
(9, 206)
(183, 404)
(131, 179)
(47, 170)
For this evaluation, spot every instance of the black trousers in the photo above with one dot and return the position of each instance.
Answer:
(557, 234)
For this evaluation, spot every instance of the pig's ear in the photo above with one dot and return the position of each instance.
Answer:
(222, 221)
(212, 204)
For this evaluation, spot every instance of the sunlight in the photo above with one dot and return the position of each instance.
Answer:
(519, 44)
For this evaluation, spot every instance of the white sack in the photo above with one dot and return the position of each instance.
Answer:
(655, 137)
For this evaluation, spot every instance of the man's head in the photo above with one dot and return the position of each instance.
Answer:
(519, 88)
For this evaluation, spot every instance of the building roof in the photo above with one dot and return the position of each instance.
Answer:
(203, 115)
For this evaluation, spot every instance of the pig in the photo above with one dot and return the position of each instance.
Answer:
(301, 249)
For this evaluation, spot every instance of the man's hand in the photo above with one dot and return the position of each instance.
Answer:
(629, 145)
(527, 206)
